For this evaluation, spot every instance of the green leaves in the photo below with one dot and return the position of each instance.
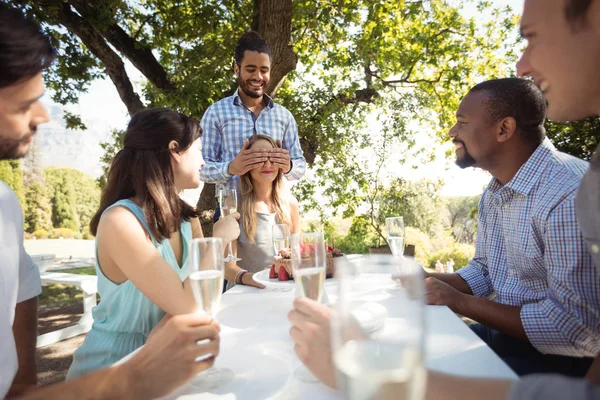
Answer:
(410, 61)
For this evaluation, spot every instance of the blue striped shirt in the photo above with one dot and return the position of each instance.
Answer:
(530, 252)
(228, 123)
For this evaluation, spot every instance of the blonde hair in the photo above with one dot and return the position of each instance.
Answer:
(278, 200)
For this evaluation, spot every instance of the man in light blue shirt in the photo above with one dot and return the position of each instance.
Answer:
(229, 123)
(530, 253)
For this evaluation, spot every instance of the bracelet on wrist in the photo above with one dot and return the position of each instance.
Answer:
(242, 277)
(237, 276)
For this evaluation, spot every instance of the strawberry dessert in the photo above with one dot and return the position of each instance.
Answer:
(282, 265)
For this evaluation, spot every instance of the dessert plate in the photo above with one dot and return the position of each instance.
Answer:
(263, 277)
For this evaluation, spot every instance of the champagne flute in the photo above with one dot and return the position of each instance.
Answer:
(377, 328)
(308, 266)
(394, 227)
(206, 269)
(281, 237)
(228, 202)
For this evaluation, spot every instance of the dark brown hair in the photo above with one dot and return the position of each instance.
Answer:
(250, 41)
(575, 10)
(520, 99)
(24, 49)
(143, 169)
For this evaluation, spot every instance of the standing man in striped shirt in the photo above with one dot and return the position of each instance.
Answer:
(530, 253)
(229, 123)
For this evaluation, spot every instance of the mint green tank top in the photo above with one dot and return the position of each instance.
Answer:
(125, 316)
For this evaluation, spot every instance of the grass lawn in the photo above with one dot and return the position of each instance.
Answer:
(58, 296)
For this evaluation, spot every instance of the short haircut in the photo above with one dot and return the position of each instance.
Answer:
(24, 49)
(250, 41)
(575, 10)
(520, 99)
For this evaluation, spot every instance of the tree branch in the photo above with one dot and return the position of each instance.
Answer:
(273, 21)
(95, 42)
(139, 54)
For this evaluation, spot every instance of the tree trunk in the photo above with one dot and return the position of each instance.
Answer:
(273, 21)
(94, 41)
(206, 205)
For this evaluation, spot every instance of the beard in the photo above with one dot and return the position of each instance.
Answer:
(10, 148)
(466, 160)
(249, 91)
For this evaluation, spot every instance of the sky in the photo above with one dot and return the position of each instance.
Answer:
(101, 105)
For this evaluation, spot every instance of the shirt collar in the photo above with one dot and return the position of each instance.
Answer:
(528, 175)
(237, 100)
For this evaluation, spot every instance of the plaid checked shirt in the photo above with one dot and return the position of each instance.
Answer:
(228, 123)
(530, 252)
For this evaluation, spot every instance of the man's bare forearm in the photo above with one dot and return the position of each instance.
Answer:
(25, 333)
(593, 374)
(114, 382)
(501, 317)
(454, 280)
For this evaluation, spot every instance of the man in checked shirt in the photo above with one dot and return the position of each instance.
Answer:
(228, 123)
(531, 286)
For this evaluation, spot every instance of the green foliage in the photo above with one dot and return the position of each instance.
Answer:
(64, 233)
(41, 234)
(462, 212)
(12, 175)
(37, 212)
(111, 148)
(418, 203)
(74, 197)
(461, 253)
(62, 194)
(359, 238)
(413, 61)
(422, 243)
(577, 138)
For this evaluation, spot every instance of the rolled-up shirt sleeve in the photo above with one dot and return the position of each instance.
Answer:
(567, 322)
(553, 387)
(476, 273)
(215, 169)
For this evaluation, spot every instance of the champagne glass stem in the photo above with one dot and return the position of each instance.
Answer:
(229, 251)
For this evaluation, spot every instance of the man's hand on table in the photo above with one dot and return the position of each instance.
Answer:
(311, 332)
(442, 294)
(167, 361)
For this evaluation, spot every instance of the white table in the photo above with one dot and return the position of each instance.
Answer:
(255, 344)
(89, 285)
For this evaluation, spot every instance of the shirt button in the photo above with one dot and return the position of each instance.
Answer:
(595, 249)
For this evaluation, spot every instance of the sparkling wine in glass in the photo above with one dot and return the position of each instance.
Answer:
(206, 269)
(281, 237)
(228, 202)
(377, 329)
(308, 266)
(394, 227)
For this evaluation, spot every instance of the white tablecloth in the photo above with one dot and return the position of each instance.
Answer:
(256, 345)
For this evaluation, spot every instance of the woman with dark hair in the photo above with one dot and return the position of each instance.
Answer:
(142, 228)
(263, 203)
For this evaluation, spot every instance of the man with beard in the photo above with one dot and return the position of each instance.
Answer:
(530, 253)
(563, 57)
(168, 359)
(228, 123)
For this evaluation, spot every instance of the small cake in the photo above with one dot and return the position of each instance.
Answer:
(282, 263)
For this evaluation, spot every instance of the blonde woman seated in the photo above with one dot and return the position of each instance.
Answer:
(263, 203)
